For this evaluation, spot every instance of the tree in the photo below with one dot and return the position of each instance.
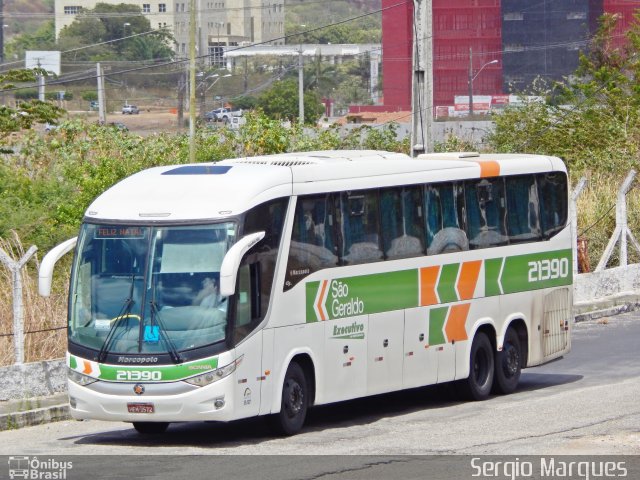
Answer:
(281, 102)
(44, 38)
(118, 25)
(26, 112)
(594, 120)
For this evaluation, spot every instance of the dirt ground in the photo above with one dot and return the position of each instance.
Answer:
(144, 123)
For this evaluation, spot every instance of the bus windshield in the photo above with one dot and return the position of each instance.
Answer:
(139, 289)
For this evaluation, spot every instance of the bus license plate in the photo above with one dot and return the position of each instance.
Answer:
(140, 407)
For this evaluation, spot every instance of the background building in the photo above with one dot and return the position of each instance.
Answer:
(159, 13)
(219, 23)
(528, 40)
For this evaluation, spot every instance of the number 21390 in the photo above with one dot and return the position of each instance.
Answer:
(548, 269)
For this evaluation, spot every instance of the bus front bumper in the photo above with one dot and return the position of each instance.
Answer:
(168, 402)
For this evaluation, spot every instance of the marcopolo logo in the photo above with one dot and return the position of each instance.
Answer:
(355, 331)
(37, 469)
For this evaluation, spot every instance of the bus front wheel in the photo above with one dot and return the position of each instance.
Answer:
(295, 401)
(481, 369)
(508, 364)
(150, 428)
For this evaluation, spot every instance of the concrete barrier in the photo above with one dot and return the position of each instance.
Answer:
(614, 285)
(37, 379)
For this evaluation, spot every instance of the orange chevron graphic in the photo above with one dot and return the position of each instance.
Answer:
(87, 368)
(321, 300)
(455, 327)
(428, 283)
(468, 279)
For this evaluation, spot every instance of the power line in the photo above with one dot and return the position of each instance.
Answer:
(266, 42)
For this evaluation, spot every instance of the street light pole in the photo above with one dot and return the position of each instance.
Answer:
(300, 89)
(192, 81)
(472, 77)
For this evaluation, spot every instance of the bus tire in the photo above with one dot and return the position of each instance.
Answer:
(295, 402)
(150, 428)
(481, 369)
(508, 364)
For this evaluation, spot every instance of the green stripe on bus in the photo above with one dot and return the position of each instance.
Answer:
(492, 276)
(384, 292)
(447, 283)
(73, 363)
(311, 291)
(537, 270)
(167, 373)
(437, 317)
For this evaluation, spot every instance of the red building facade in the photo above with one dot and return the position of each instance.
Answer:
(467, 36)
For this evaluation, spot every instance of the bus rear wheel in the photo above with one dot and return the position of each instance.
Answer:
(295, 401)
(150, 428)
(508, 364)
(481, 369)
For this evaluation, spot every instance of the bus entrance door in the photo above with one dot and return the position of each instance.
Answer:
(346, 358)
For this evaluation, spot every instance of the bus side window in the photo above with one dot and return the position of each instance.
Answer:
(445, 214)
(486, 212)
(261, 259)
(552, 195)
(359, 224)
(523, 221)
(313, 243)
(402, 222)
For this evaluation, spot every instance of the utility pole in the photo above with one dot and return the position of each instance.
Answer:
(300, 88)
(41, 95)
(470, 82)
(1, 32)
(181, 87)
(192, 81)
(102, 118)
(245, 85)
(422, 85)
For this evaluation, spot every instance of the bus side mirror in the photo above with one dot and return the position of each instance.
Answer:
(45, 272)
(231, 262)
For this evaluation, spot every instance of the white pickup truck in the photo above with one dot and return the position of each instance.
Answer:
(223, 114)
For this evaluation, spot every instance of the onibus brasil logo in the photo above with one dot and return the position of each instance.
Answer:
(38, 469)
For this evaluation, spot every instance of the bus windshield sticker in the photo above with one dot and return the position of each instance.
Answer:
(151, 333)
(119, 233)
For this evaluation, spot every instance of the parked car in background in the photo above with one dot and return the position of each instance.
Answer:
(93, 105)
(222, 115)
(130, 110)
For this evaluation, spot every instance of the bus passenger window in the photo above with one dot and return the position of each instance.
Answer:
(313, 245)
(402, 222)
(358, 224)
(486, 212)
(552, 194)
(444, 210)
(269, 218)
(523, 222)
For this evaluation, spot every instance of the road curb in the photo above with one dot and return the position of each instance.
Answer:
(607, 312)
(38, 416)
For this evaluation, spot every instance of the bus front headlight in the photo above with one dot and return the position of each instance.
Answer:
(214, 375)
(80, 378)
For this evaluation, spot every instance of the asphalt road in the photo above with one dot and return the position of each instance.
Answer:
(587, 403)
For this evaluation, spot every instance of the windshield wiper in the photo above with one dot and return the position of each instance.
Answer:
(155, 316)
(124, 313)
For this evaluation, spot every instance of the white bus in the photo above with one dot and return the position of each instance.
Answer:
(267, 285)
